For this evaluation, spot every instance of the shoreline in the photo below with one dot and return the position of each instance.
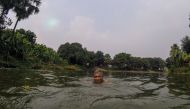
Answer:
(131, 71)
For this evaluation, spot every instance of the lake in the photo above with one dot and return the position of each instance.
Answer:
(30, 89)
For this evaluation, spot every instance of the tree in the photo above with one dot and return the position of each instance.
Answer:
(186, 44)
(107, 59)
(28, 35)
(121, 60)
(187, 58)
(44, 54)
(157, 64)
(14, 46)
(146, 64)
(90, 58)
(6, 5)
(73, 52)
(7, 43)
(99, 58)
(135, 63)
(24, 9)
(177, 56)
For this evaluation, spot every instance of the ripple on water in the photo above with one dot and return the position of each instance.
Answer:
(51, 91)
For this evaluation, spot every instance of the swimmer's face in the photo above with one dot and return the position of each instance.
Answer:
(97, 77)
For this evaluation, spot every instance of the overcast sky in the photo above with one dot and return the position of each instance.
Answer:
(145, 28)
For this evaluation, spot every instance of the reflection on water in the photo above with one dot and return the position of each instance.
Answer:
(23, 89)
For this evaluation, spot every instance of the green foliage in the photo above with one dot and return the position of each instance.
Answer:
(179, 59)
(28, 35)
(25, 8)
(90, 58)
(179, 70)
(121, 60)
(23, 47)
(99, 58)
(136, 63)
(21, 44)
(5, 5)
(185, 43)
(22, 8)
(16, 46)
(44, 54)
(156, 64)
(74, 53)
(107, 59)
(177, 56)
(127, 62)
(11, 45)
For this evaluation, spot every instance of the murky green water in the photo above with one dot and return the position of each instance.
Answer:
(27, 89)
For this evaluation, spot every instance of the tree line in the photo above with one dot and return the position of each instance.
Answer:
(76, 54)
(24, 47)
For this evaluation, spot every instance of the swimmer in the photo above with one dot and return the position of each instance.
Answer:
(98, 77)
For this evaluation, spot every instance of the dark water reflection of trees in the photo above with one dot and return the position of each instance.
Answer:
(179, 84)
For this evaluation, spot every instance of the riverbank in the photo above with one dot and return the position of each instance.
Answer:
(65, 67)
(180, 70)
(130, 71)
(62, 67)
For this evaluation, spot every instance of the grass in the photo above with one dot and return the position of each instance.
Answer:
(72, 68)
(180, 70)
(23, 64)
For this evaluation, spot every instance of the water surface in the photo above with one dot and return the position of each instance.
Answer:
(29, 89)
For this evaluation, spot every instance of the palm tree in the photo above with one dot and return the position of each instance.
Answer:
(24, 9)
(5, 5)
